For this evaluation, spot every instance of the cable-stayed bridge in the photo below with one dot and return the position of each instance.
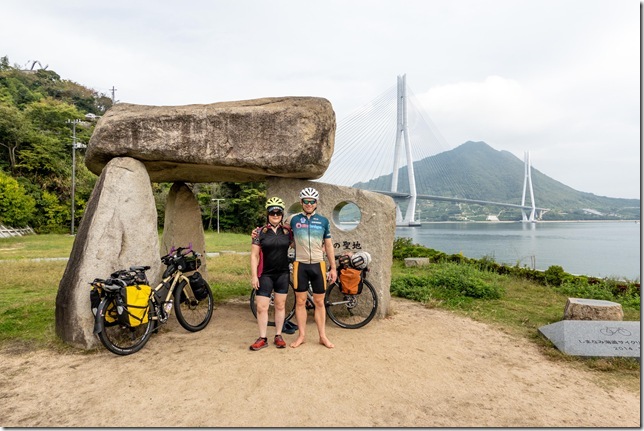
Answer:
(374, 151)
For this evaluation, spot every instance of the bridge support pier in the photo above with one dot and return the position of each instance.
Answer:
(402, 131)
(527, 182)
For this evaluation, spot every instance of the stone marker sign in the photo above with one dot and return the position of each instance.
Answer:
(416, 261)
(592, 309)
(595, 337)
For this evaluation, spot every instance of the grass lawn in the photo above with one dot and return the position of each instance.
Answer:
(28, 291)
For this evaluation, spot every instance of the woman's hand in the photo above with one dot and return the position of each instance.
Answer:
(254, 281)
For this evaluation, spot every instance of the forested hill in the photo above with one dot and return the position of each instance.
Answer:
(38, 109)
(474, 170)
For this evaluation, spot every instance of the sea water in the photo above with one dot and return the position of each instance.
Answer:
(600, 249)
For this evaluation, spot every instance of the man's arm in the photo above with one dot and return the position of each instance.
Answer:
(328, 248)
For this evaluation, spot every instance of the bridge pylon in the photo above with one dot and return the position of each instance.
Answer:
(527, 183)
(402, 133)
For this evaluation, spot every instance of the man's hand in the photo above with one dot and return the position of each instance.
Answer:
(332, 275)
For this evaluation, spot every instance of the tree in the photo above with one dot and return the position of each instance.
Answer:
(16, 207)
(14, 131)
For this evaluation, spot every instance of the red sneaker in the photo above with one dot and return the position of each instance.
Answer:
(259, 344)
(279, 342)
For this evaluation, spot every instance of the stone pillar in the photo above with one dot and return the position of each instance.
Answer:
(118, 230)
(374, 233)
(182, 224)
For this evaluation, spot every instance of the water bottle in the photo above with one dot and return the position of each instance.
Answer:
(168, 306)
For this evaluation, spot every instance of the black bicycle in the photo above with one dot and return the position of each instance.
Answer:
(347, 310)
(127, 310)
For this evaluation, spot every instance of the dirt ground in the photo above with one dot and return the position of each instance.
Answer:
(419, 368)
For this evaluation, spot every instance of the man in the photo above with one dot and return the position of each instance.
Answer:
(312, 236)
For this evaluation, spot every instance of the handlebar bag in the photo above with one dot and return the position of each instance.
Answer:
(351, 281)
(135, 303)
(188, 262)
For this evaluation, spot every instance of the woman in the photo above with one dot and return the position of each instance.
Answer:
(270, 271)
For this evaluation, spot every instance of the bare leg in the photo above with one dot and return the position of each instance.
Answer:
(262, 304)
(320, 319)
(300, 317)
(280, 312)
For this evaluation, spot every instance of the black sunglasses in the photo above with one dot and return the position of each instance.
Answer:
(275, 213)
(309, 201)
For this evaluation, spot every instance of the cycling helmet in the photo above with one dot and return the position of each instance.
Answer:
(274, 203)
(309, 193)
(344, 261)
(361, 260)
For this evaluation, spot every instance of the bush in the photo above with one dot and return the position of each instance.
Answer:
(16, 207)
(464, 268)
(464, 280)
(627, 294)
(555, 275)
(452, 283)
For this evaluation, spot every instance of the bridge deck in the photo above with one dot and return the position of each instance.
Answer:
(446, 199)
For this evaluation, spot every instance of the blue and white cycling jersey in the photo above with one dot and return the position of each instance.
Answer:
(310, 233)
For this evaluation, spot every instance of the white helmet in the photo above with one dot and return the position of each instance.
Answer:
(361, 260)
(309, 193)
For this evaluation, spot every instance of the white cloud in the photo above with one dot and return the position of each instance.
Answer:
(557, 77)
(493, 107)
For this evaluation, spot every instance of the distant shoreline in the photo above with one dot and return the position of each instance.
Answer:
(519, 221)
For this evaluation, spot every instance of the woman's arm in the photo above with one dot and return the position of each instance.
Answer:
(254, 261)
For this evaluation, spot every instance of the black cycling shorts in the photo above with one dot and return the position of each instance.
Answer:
(269, 283)
(313, 272)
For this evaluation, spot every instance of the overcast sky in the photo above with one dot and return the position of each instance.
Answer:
(558, 78)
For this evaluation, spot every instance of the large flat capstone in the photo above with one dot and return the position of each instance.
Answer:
(289, 137)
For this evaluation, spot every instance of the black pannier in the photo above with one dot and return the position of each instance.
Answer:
(198, 285)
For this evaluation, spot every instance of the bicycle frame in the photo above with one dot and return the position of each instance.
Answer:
(161, 314)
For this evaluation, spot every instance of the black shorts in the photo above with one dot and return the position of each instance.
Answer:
(275, 282)
(313, 272)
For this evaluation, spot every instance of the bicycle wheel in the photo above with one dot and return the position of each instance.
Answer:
(351, 311)
(290, 305)
(121, 339)
(194, 314)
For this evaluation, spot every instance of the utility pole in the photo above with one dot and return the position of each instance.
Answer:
(217, 211)
(113, 90)
(75, 146)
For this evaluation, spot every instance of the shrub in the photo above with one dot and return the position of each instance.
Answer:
(464, 268)
(555, 275)
(464, 280)
(627, 294)
(403, 247)
(16, 207)
(453, 283)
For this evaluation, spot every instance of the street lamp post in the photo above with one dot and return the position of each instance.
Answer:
(217, 211)
(75, 146)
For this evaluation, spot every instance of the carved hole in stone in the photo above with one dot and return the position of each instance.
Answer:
(346, 216)
(295, 208)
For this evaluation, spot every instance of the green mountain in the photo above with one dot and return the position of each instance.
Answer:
(474, 170)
